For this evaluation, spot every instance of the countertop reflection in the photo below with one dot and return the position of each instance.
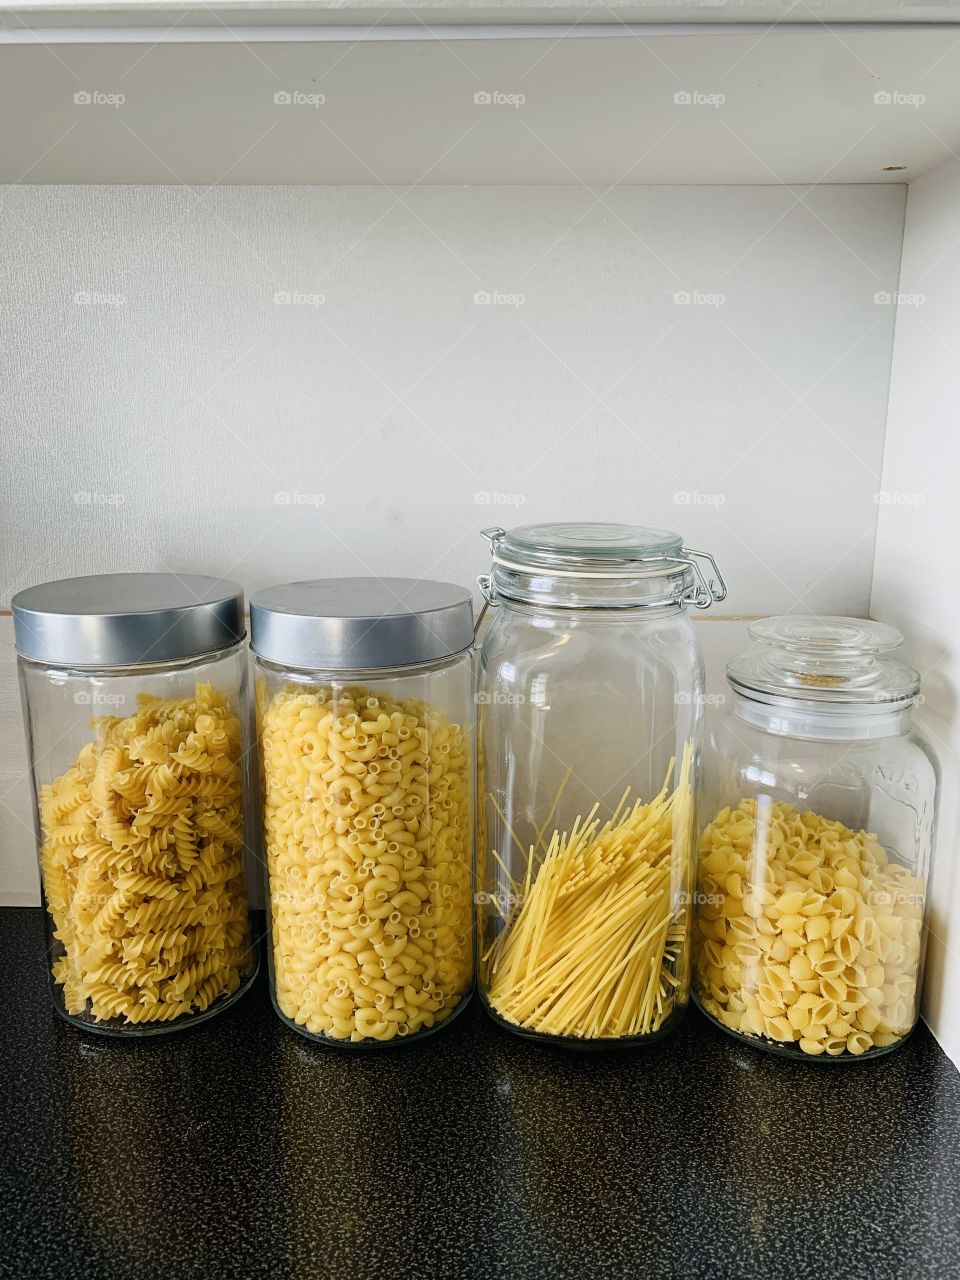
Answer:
(237, 1149)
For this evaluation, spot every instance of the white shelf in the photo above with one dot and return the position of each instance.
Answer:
(131, 14)
(789, 106)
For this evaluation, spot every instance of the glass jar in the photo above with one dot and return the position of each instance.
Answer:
(135, 705)
(813, 867)
(366, 726)
(591, 700)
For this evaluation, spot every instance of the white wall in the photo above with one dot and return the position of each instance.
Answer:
(915, 582)
(399, 399)
(183, 412)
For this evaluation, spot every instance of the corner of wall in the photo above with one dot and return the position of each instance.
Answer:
(918, 517)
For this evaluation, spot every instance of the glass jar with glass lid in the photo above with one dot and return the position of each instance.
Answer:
(135, 703)
(366, 714)
(821, 798)
(591, 698)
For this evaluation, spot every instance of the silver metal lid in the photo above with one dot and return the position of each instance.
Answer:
(127, 619)
(360, 624)
(840, 662)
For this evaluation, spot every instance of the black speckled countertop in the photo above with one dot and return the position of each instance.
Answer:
(237, 1149)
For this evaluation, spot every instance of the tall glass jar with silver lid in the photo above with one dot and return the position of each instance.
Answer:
(591, 699)
(821, 797)
(366, 727)
(135, 705)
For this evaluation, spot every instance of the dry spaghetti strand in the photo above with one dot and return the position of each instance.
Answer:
(598, 945)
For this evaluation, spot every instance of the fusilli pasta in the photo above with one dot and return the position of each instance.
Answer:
(141, 860)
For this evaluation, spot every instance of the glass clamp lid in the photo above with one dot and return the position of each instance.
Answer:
(598, 565)
(826, 660)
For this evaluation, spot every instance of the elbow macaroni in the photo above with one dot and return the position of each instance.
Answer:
(368, 827)
(141, 860)
(807, 933)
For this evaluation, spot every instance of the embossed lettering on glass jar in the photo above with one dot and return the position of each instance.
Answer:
(591, 699)
(821, 798)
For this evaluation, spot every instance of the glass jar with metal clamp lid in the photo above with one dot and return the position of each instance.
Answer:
(821, 798)
(590, 705)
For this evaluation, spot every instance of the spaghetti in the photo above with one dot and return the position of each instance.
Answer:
(597, 946)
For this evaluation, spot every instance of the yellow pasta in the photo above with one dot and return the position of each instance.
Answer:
(597, 947)
(141, 860)
(368, 825)
(819, 945)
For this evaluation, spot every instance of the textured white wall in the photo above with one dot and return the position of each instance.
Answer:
(156, 432)
(915, 583)
(186, 410)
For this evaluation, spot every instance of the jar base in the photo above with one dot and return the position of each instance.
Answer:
(363, 1046)
(117, 1029)
(794, 1052)
(600, 1044)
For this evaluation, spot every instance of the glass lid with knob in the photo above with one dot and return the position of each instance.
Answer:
(836, 661)
(598, 564)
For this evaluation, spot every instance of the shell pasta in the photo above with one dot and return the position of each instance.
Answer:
(807, 933)
(141, 859)
(368, 826)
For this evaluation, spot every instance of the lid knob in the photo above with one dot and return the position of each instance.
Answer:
(824, 659)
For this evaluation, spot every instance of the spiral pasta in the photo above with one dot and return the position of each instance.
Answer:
(368, 827)
(807, 933)
(141, 858)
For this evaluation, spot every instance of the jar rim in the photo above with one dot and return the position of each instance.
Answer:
(827, 722)
(115, 671)
(605, 595)
(347, 675)
(827, 706)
